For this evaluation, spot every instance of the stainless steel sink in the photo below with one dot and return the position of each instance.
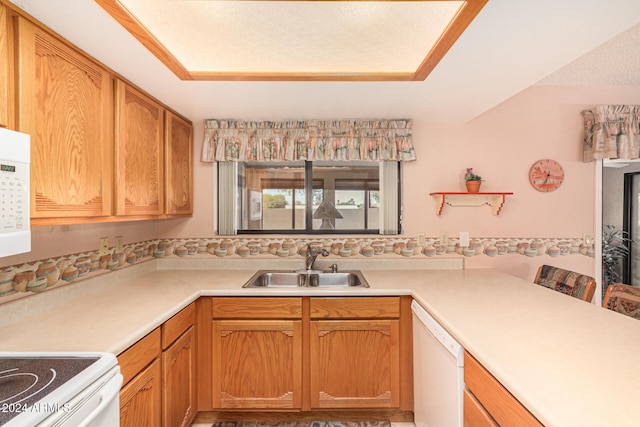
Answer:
(304, 278)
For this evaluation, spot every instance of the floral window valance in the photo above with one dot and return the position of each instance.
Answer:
(612, 132)
(237, 140)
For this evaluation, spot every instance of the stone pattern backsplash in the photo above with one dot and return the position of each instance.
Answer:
(17, 281)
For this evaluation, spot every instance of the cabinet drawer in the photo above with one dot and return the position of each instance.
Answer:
(135, 358)
(179, 323)
(256, 308)
(498, 402)
(474, 413)
(355, 307)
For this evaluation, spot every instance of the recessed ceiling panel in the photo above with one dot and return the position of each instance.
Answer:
(296, 40)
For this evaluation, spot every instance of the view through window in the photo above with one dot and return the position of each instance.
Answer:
(306, 197)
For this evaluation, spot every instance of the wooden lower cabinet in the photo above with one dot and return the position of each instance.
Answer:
(256, 353)
(179, 369)
(488, 403)
(307, 354)
(257, 364)
(140, 396)
(474, 413)
(159, 375)
(178, 381)
(355, 362)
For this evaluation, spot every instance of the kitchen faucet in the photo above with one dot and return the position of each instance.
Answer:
(312, 254)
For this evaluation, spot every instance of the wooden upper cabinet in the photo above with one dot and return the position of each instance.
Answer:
(139, 164)
(6, 66)
(179, 165)
(101, 150)
(66, 105)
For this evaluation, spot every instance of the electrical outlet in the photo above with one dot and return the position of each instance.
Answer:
(444, 238)
(587, 239)
(422, 239)
(104, 246)
(464, 238)
(119, 246)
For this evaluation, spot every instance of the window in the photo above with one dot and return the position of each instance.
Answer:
(309, 197)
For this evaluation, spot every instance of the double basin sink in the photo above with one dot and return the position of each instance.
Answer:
(306, 278)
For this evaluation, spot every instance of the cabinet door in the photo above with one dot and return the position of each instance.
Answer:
(6, 67)
(178, 379)
(66, 105)
(355, 364)
(139, 162)
(140, 399)
(179, 165)
(257, 364)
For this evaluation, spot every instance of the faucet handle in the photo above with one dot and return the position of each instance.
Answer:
(334, 268)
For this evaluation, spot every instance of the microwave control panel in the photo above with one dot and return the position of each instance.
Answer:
(14, 182)
(15, 191)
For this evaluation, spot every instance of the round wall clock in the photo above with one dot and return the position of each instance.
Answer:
(546, 175)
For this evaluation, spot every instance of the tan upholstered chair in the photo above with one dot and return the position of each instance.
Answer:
(623, 299)
(567, 282)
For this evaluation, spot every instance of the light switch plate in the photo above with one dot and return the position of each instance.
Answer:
(422, 239)
(464, 238)
(119, 246)
(104, 246)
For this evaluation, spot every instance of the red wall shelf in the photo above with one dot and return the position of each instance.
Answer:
(495, 200)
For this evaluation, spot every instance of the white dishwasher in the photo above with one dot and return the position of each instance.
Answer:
(438, 373)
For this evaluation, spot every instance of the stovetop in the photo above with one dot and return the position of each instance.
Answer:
(25, 382)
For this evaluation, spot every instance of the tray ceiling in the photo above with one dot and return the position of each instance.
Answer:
(296, 40)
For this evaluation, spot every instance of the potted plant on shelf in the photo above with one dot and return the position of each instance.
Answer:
(472, 180)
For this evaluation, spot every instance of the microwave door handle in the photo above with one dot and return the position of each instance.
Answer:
(109, 393)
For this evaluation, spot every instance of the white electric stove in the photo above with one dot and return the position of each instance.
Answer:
(61, 389)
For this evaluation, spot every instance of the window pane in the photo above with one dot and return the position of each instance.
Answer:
(274, 197)
(345, 195)
(351, 205)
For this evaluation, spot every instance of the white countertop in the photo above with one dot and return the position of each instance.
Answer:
(569, 362)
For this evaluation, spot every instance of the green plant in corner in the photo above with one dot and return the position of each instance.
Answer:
(615, 247)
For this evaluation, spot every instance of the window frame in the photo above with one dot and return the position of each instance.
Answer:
(308, 187)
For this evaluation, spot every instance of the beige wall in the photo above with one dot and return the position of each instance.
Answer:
(501, 145)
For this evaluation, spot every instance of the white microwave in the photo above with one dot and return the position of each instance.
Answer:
(15, 160)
